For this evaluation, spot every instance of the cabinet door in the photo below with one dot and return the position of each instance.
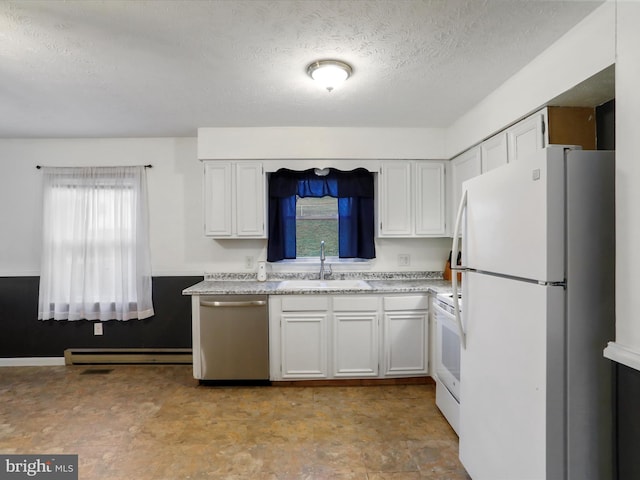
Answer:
(355, 344)
(526, 138)
(465, 166)
(218, 201)
(250, 200)
(304, 345)
(430, 203)
(406, 349)
(395, 199)
(494, 152)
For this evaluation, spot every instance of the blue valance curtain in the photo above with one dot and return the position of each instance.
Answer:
(354, 191)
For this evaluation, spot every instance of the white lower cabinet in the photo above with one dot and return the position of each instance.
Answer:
(304, 353)
(406, 323)
(355, 336)
(348, 336)
(303, 329)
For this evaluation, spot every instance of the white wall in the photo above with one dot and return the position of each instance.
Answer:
(320, 143)
(581, 53)
(627, 347)
(178, 245)
(174, 197)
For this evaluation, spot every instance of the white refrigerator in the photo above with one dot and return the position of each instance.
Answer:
(538, 253)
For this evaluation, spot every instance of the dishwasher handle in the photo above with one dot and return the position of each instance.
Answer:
(249, 303)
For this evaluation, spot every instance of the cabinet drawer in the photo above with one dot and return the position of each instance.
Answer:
(409, 302)
(305, 303)
(355, 304)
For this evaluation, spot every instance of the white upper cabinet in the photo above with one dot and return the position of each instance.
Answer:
(463, 167)
(411, 199)
(250, 200)
(218, 199)
(394, 200)
(549, 126)
(527, 137)
(494, 152)
(235, 205)
(429, 199)
(552, 126)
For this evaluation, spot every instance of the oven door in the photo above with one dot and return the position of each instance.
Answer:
(447, 351)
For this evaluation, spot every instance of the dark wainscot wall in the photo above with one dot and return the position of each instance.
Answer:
(23, 335)
(628, 422)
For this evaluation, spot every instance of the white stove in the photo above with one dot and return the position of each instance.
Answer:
(447, 358)
(446, 301)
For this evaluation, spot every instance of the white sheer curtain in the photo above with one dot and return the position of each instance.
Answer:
(95, 253)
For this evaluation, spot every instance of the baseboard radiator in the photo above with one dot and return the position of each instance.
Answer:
(127, 356)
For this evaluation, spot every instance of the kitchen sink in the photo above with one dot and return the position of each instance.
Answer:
(324, 285)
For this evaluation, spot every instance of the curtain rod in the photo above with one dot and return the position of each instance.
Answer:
(145, 166)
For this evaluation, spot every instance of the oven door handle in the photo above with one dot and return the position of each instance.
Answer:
(454, 277)
(445, 313)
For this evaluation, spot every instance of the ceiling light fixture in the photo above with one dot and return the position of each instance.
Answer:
(329, 73)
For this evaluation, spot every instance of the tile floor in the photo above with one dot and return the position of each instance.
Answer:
(157, 423)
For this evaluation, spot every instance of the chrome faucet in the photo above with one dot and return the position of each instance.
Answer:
(322, 259)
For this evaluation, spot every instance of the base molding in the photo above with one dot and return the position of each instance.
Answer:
(354, 382)
(32, 362)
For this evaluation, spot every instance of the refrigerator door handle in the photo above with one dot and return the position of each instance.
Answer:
(454, 277)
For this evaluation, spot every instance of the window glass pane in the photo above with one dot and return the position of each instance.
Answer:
(106, 235)
(316, 220)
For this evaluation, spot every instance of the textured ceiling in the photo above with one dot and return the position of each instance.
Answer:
(163, 68)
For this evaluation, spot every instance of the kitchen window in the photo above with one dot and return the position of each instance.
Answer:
(95, 252)
(316, 220)
(353, 192)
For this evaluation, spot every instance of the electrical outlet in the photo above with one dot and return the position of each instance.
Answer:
(404, 259)
(248, 261)
(97, 328)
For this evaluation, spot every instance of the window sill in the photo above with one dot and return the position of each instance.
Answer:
(311, 264)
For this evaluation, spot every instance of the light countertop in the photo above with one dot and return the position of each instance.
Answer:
(380, 283)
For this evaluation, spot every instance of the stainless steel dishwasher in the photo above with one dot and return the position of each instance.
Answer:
(233, 338)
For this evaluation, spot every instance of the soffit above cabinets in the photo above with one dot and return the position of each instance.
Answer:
(593, 92)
